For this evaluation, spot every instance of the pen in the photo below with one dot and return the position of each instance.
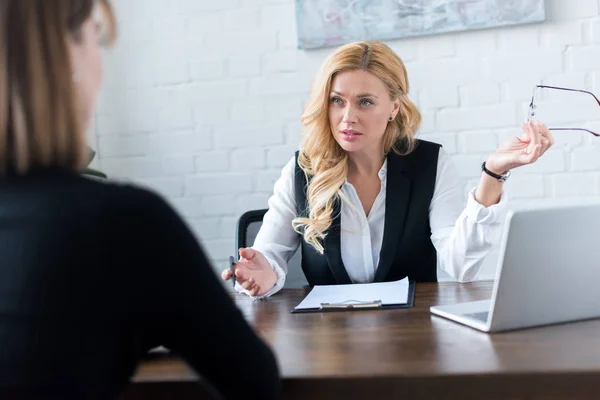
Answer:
(232, 268)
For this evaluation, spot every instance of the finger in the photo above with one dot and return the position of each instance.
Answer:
(525, 136)
(255, 291)
(545, 132)
(226, 274)
(528, 158)
(537, 151)
(248, 284)
(535, 137)
(241, 274)
(543, 141)
(532, 137)
(247, 253)
(545, 145)
(253, 287)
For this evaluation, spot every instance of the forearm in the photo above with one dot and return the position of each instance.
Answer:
(208, 330)
(184, 307)
(488, 191)
(463, 245)
(462, 254)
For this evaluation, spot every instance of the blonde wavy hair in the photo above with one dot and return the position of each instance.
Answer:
(323, 161)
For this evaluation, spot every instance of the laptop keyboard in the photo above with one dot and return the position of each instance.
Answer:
(481, 316)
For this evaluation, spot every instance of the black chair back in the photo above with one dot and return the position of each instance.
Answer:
(247, 228)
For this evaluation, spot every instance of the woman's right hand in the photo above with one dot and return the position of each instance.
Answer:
(253, 272)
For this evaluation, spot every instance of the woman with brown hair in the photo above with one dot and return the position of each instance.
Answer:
(94, 274)
(365, 199)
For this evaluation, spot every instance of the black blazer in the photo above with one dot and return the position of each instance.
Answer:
(94, 274)
(406, 249)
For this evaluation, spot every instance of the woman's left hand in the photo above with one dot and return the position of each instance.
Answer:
(521, 150)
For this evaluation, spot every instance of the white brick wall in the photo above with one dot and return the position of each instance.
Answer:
(202, 101)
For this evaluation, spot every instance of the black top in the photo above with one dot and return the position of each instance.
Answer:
(92, 275)
(406, 250)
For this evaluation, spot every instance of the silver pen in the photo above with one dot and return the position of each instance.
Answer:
(232, 269)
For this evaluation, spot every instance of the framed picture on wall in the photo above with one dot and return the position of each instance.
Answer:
(328, 23)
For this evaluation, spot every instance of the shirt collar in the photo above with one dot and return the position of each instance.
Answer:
(383, 170)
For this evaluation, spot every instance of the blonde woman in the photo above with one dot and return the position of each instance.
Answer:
(94, 274)
(366, 200)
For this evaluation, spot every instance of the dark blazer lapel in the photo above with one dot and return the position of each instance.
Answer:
(397, 197)
(332, 246)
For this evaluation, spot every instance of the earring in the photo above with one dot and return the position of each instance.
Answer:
(390, 118)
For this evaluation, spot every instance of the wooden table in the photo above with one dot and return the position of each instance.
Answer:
(404, 353)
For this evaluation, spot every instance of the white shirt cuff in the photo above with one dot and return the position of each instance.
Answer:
(480, 214)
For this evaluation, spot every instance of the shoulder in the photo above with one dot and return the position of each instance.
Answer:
(425, 146)
(422, 163)
(293, 162)
(131, 200)
(291, 167)
(431, 153)
(423, 154)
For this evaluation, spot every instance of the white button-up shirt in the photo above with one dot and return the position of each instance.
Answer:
(461, 236)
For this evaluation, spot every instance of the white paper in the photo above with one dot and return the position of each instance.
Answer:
(387, 292)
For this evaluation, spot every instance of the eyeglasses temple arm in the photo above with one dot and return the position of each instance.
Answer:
(571, 90)
(574, 129)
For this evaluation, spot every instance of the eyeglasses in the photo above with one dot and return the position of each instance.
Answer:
(532, 106)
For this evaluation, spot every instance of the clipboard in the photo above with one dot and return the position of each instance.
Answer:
(351, 305)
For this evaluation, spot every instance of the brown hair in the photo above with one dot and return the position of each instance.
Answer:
(39, 120)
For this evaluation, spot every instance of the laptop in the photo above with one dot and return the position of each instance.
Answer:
(548, 272)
